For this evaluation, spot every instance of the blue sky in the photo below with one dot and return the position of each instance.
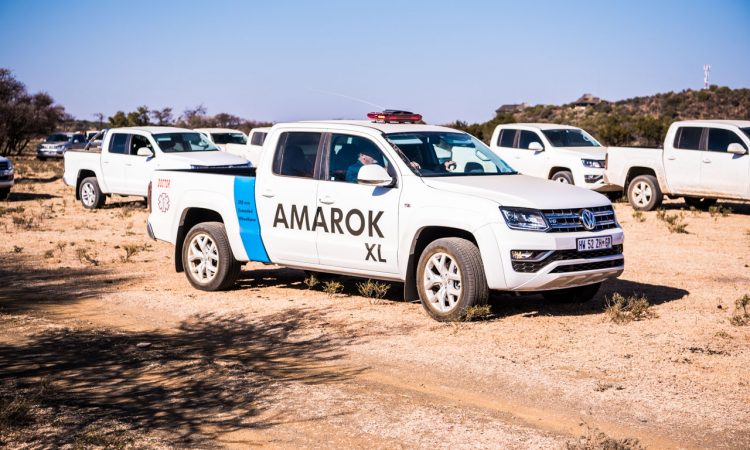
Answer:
(295, 60)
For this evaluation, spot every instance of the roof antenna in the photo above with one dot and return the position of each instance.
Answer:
(349, 98)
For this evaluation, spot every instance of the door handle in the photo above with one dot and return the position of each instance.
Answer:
(671, 158)
(326, 200)
(707, 161)
(268, 193)
(517, 157)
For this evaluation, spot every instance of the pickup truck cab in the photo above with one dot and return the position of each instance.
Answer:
(252, 148)
(7, 176)
(220, 137)
(373, 199)
(560, 153)
(702, 161)
(58, 143)
(128, 157)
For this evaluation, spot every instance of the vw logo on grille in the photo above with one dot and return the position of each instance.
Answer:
(588, 220)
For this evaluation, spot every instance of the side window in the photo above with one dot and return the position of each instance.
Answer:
(118, 144)
(719, 139)
(137, 141)
(258, 138)
(527, 137)
(296, 154)
(347, 153)
(506, 138)
(78, 139)
(688, 138)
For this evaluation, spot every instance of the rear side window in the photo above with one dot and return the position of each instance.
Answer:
(296, 154)
(118, 144)
(688, 138)
(719, 139)
(506, 138)
(258, 138)
(527, 137)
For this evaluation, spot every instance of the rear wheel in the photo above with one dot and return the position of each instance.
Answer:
(580, 294)
(700, 203)
(563, 176)
(90, 194)
(644, 193)
(450, 278)
(207, 258)
(4, 193)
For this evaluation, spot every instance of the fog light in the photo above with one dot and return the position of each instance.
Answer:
(529, 255)
(592, 178)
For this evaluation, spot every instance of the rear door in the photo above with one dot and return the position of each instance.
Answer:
(724, 173)
(683, 159)
(357, 224)
(114, 161)
(286, 198)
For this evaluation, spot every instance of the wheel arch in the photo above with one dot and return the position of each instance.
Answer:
(556, 169)
(82, 175)
(189, 218)
(638, 171)
(420, 241)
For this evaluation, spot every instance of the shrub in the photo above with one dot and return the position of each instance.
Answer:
(332, 287)
(622, 310)
(311, 281)
(373, 289)
(741, 317)
(85, 257)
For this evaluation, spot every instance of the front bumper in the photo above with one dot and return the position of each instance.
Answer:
(569, 268)
(594, 179)
(50, 152)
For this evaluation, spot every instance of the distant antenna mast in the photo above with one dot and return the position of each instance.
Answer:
(706, 73)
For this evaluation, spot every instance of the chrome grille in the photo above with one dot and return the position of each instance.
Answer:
(569, 220)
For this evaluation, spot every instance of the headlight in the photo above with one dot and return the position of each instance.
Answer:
(593, 163)
(524, 219)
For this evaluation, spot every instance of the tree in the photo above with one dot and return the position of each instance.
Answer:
(194, 118)
(163, 116)
(118, 120)
(139, 117)
(24, 116)
(99, 118)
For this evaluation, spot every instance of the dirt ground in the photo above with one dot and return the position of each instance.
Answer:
(102, 345)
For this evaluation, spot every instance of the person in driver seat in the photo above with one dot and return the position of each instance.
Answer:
(366, 157)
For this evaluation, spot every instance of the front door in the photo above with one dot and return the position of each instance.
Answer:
(286, 199)
(114, 161)
(534, 162)
(357, 224)
(724, 173)
(138, 169)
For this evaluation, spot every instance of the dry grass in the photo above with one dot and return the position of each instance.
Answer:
(741, 317)
(719, 211)
(311, 281)
(87, 256)
(639, 216)
(675, 222)
(132, 250)
(373, 289)
(332, 287)
(477, 312)
(594, 439)
(621, 310)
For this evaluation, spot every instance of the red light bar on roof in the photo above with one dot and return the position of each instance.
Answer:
(394, 116)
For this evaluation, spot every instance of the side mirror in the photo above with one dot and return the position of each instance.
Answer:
(536, 146)
(736, 148)
(374, 175)
(145, 151)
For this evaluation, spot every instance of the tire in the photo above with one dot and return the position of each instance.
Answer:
(456, 263)
(4, 193)
(580, 294)
(41, 158)
(700, 203)
(90, 194)
(206, 242)
(563, 176)
(644, 193)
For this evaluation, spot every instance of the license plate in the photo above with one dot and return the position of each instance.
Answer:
(591, 244)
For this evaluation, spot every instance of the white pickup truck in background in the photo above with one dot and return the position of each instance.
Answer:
(236, 143)
(702, 161)
(554, 152)
(375, 200)
(128, 157)
(221, 137)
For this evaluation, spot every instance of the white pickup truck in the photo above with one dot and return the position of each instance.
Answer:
(560, 153)
(128, 157)
(251, 150)
(372, 199)
(702, 160)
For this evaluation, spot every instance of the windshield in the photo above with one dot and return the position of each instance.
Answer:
(184, 142)
(440, 154)
(570, 138)
(229, 138)
(57, 138)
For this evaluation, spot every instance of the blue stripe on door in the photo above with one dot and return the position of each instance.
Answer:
(247, 215)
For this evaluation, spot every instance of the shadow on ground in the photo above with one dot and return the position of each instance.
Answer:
(26, 286)
(504, 305)
(215, 374)
(24, 196)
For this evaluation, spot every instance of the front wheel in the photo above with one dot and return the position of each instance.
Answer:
(90, 194)
(580, 294)
(563, 176)
(450, 278)
(207, 258)
(644, 193)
